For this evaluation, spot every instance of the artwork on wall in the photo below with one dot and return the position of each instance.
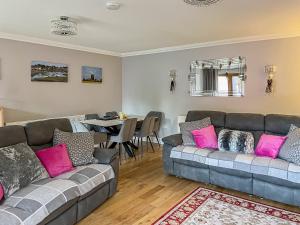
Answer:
(91, 74)
(49, 72)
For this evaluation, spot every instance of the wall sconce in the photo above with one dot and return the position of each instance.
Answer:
(173, 80)
(270, 70)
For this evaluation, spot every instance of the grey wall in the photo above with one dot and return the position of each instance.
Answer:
(24, 100)
(146, 81)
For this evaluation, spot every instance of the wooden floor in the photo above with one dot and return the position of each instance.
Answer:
(145, 193)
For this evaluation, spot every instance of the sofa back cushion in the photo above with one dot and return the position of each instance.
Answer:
(280, 124)
(12, 135)
(217, 118)
(250, 122)
(40, 133)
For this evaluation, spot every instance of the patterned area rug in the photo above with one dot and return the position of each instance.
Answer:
(204, 206)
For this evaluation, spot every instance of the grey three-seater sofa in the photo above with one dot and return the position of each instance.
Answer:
(273, 179)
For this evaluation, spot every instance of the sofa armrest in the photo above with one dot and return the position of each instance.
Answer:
(105, 156)
(173, 140)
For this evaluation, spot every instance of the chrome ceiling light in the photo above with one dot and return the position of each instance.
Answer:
(201, 3)
(64, 26)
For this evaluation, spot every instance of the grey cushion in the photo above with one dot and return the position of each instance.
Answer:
(80, 146)
(236, 141)
(187, 127)
(12, 135)
(105, 156)
(34, 203)
(19, 166)
(290, 150)
(41, 132)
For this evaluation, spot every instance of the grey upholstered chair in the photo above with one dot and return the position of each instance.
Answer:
(158, 118)
(100, 137)
(112, 114)
(125, 136)
(145, 132)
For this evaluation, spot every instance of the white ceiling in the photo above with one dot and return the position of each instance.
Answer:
(149, 24)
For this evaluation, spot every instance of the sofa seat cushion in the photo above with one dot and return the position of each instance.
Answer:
(249, 163)
(34, 203)
(89, 176)
(190, 153)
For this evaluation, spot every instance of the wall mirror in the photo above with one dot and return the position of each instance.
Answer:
(218, 77)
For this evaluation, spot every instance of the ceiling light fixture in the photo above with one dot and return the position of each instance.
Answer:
(64, 26)
(201, 3)
(113, 5)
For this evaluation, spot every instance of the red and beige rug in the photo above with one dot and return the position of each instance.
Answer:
(204, 206)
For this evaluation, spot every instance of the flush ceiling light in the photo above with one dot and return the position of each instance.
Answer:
(201, 2)
(113, 5)
(64, 26)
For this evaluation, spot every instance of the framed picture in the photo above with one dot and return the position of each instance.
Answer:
(91, 74)
(49, 72)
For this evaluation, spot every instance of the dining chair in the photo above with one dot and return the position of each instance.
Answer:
(145, 132)
(125, 136)
(101, 134)
(112, 114)
(158, 118)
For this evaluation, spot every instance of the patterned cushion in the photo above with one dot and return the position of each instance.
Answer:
(187, 127)
(19, 167)
(250, 163)
(80, 146)
(33, 204)
(236, 141)
(90, 176)
(290, 150)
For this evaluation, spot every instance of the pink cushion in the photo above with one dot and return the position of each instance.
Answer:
(1, 192)
(56, 159)
(269, 145)
(206, 137)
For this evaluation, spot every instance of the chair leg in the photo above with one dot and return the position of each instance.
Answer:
(157, 138)
(151, 143)
(138, 144)
(142, 153)
(120, 159)
(147, 144)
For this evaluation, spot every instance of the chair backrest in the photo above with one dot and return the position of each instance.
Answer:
(93, 116)
(127, 130)
(148, 126)
(158, 118)
(112, 114)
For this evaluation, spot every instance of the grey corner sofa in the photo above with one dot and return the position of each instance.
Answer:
(63, 200)
(273, 179)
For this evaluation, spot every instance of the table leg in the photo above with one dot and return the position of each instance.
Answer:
(128, 150)
(132, 145)
(113, 145)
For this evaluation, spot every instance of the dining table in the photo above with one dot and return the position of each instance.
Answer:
(111, 126)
